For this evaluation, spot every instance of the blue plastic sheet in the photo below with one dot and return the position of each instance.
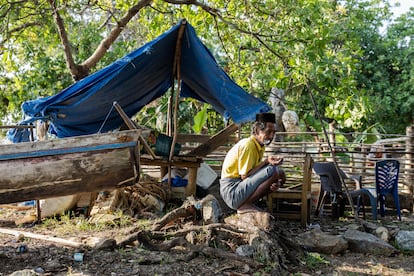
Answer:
(136, 80)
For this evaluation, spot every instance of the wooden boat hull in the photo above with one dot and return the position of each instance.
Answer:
(38, 170)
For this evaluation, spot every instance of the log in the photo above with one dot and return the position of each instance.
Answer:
(44, 169)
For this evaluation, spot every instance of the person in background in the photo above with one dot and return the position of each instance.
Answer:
(245, 176)
(375, 154)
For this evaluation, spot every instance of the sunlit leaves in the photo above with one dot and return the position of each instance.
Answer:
(335, 45)
(200, 120)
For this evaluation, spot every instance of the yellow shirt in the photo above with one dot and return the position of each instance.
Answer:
(242, 157)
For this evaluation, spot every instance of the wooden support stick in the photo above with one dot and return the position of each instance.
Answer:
(214, 142)
(131, 125)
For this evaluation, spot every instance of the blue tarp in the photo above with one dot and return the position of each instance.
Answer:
(137, 79)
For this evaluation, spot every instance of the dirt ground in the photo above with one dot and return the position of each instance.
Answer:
(19, 253)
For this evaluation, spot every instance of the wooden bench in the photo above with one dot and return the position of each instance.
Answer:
(299, 194)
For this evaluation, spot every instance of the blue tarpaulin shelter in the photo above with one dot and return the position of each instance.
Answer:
(137, 79)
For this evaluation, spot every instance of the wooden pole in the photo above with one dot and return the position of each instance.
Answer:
(177, 73)
(409, 148)
(172, 122)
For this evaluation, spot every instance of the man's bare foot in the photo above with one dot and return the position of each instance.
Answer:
(249, 209)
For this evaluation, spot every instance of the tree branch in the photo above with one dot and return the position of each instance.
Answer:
(107, 42)
(74, 68)
(216, 13)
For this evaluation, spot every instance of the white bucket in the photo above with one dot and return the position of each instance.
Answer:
(205, 176)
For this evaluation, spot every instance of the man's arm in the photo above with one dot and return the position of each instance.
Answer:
(273, 160)
(255, 169)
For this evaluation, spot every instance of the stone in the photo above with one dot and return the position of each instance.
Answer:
(363, 242)
(318, 241)
(251, 222)
(106, 244)
(211, 209)
(245, 250)
(52, 265)
(383, 233)
(405, 240)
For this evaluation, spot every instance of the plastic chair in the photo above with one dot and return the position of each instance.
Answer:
(386, 182)
(331, 186)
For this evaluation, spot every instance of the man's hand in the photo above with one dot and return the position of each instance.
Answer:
(275, 160)
(275, 186)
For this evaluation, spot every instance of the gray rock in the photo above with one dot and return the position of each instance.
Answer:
(363, 242)
(245, 250)
(318, 241)
(405, 240)
(106, 244)
(211, 209)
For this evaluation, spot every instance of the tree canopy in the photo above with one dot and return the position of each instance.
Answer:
(333, 49)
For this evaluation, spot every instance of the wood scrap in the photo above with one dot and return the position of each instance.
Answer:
(41, 237)
(30, 218)
(202, 228)
(185, 211)
(162, 235)
(134, 200)
(270, 242)
(144, 239)
(16, 207)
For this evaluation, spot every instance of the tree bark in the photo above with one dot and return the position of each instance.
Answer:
(79, 71)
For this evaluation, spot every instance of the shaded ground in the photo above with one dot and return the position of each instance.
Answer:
(48, 258)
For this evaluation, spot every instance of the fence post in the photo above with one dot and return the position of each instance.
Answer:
(332, 139)
(410, 158)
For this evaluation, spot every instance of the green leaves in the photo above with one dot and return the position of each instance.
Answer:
(261, 44)
(200, 120)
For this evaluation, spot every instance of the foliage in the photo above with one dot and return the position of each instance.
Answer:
(387, 74)
(67, 223)
(200, 119)
(314, 260)
(329, 50)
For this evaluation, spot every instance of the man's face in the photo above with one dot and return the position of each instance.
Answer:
(265, 136)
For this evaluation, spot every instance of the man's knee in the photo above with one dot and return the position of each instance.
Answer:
(279, 174)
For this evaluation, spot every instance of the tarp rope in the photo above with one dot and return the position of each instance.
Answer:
(106, 119)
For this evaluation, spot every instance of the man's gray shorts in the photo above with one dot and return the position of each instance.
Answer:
(234, 191)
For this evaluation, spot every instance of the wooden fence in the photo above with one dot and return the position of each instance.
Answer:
(355, 158)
